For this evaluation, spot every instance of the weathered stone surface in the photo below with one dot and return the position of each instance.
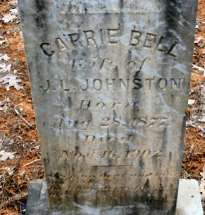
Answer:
(110, 83)
(188, 202)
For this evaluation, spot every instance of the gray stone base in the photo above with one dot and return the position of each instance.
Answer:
(189, 201)
(37, 203)
(189, 198)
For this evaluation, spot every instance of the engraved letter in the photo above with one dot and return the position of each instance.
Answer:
(45, 50)
(135, 37)
(150, 82)
(160, 46)
(60, 44)
(137, 83)
(74, 38)
(85, 104)
(150, 40)
(90, 37)
(112, 35)
(162, 83)
(86, 87)
(97, 84)
(171, 49)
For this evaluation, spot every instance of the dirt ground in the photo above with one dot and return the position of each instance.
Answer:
(18, 133)
(194, 159)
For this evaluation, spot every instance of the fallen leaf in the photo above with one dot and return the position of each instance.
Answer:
(6, 155)
(9, 18)
(11, 80)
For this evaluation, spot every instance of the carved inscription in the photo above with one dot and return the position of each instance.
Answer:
(61, 121)
(108, 76)
(111, 158)
(111, 84)
(110, 37)
(99, 74)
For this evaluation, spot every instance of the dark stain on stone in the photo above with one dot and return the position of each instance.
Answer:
(160, 195)
(141, 163)
(164, 140)
(146, 187)
(76, 150)
(121, 3)
(41, 16)
(85, 9)
(170, 156)
(183, 134)
(152, 205)
(172, 15)
(57, 176)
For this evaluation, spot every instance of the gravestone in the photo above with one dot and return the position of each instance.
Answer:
(110, 83)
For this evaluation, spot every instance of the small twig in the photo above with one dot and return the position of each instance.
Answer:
(186, 174)
(22, 118)
(32, 162)
(198, 68)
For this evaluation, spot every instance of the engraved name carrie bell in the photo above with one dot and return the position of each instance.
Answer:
(92, 38)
